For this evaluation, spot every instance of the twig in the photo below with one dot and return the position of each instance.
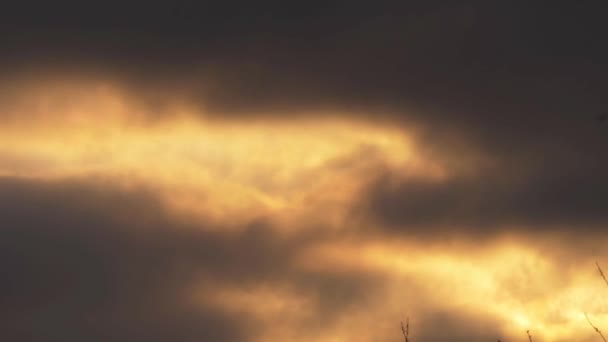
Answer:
(601, 272)
(406, 330)
(529, 336)
(595, 328)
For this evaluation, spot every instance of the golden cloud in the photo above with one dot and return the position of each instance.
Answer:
(299, 174)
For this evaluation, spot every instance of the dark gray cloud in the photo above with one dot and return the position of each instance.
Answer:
(558, 194)
(456, 326)
(468, 54)
(80, 262)
(87, 261)
(509, 77)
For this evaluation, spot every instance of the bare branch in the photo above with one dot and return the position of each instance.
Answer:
(529, 336)
(406, 330)
(594, 327)
(601, 272)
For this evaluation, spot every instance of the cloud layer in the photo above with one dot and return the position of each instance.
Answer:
(258, 172)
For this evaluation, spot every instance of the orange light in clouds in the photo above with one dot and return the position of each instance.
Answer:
(508, 283)
(297, 171)
(248, 168)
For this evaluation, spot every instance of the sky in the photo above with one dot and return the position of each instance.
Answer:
(303, 171)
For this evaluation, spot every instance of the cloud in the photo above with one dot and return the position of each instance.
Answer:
(272, 57)
(490, 75)
(492, 201)
(457, 327)
(87, 261)
(255, 172)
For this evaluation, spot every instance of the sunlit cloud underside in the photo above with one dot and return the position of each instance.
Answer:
(305, 175)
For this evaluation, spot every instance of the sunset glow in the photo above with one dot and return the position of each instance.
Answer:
(312, 171)
(299, 176)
